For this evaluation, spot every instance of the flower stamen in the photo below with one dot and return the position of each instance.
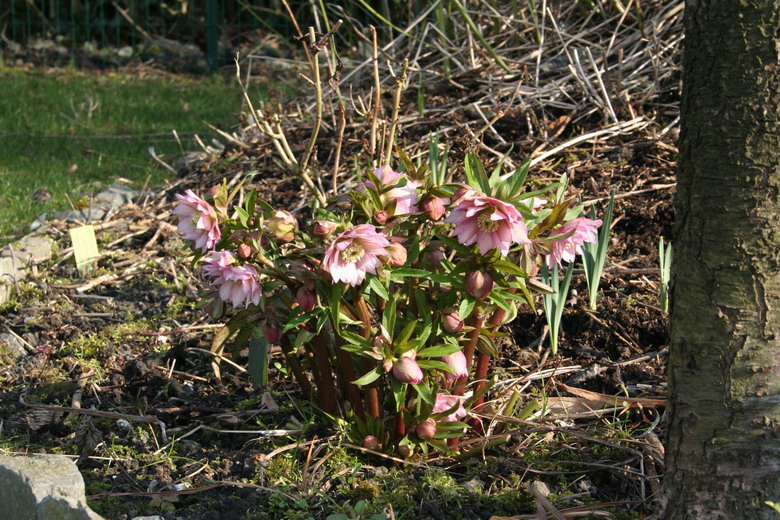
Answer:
(485, 223)
(352, 253)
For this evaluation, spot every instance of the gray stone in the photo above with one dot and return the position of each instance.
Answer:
(15, 347)
(43, 487)
(15, 257)
(110, 199)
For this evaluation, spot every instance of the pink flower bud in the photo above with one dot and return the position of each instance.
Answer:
(214, 190)
(426, 430)
(434, 207)
(272, 334)
(306, 300)
(324, 228)
(245, 251)
(457, 362)
(479, 284)
(282, 226)
(370, 442)
(452, 323)
(407, 370)
(405, 451)
(381, 217)
(397, 253)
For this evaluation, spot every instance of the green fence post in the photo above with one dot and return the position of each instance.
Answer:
(212, 36)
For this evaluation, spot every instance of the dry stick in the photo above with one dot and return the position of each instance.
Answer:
(376, 106)
(99, 413)
(372, 389)
(327, 391)
(400, 82)
(339, 143)
(298, 30)
(303, 166)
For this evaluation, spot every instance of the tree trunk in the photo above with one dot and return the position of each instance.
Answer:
(723, 446)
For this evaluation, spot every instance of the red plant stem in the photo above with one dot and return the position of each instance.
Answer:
(483, 360)
(372, 389)
(468, 351)
(347, 376)
(400, 427)
(327, 387)
(297, 369)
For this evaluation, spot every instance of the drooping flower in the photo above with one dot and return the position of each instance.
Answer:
(324, 228)
(426, 430)
(434, 207)
(457, 362)
(479, 284)
(197, 221)
(407, 370)
(582, 230)
(445, 402)
(452, 323)
(398, 253)
(354, 253)
(238, 284)
(282, 226)
(405, 197)
(370, 442)
(306, 299)
(489, 223)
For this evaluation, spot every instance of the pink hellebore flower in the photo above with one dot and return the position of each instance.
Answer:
(405, 197)
(488, 222)
(237, 283)
(457, 362)
(444, 402)
(354, 253)
(407, 370)
(584, 230)
(198, 221)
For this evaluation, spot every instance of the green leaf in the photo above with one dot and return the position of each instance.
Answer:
(424, 392)
(369, 377)
(258, 361)
(486, 345)
(405, 334)
(388, 315)
(433, 364)
(438, 351)
(475, 173)
(355, 339)
(399, 393)
(377, 287)
(335, 304)
(466, 306)
(294, 321)
(403, 272)
(509, 268)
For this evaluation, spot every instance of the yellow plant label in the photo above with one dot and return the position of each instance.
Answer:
(85, 248)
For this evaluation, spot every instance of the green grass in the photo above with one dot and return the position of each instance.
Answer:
(46, 126)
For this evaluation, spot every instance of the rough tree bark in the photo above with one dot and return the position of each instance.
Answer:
(723, 449)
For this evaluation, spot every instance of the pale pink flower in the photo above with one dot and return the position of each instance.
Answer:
(444, 402)
(197, 221)
(354, 253)
(407, 370)
(405, 197)
(489, 223)
(457, 362)
(537, 204)
(583, 230)
(238, 284)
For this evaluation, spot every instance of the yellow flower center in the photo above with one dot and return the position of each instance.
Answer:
(352, 253)
(484, 222)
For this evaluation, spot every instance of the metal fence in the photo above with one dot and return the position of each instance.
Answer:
(198, 34)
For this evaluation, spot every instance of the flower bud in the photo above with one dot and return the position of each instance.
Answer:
(245, 251)
(272, 334)
(479, 284)
(434, 207)
(397, 253)
(426, 430)
(407, 370)
(370, 442)
(457, 362)
(435, 258)
(404, 451)
(251, 222)
(214, 190)
(323, 228)
(282, 226)
(306, 300)
(381, 217)
(452, 323)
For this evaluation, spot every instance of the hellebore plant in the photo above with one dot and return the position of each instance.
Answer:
(594, 252)
(386, 307)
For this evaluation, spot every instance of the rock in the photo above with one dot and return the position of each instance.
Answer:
(106, 201)
(15, 347)
(42, 487)
(15, 257)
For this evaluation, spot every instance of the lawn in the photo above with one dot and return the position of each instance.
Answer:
(68, 133)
